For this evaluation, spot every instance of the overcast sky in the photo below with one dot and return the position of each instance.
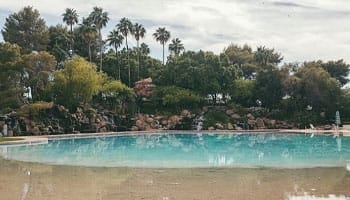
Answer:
(299, 29)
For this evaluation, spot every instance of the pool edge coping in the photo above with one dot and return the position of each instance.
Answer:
(42, 139)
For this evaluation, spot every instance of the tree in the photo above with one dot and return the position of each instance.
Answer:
(70, 17)
(11, 71)
(318, 88)
(144, 49)
(100, 20)
(87, 34)
(242, 92)
(27, 30)
(176, 98)
(243, 57)
(115, 39)
(39, 68)
(139, 32)
(59, 43)
(77, 82)
(162, 35)
(125, 27)
(267, 58)
(176, 47)
(117, 95)
(338, 70)
(269, 88)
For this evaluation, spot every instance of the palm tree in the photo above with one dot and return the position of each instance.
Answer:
(139, 32)
(100, 19)
(176, 47)
(162, 35)
(115, 39)
(88, 33)
(70, 17)
(125, 27)
(144, 49)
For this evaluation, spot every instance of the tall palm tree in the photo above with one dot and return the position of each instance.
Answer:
(100, 19)
(139, 32)
(162, 35)
(176, 47)
(70, 17)
(115, 39)
(125, 27)
(88, 33)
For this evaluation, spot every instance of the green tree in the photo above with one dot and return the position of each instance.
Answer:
(100, 20)
(144, 49)
(139, 32)
(125, 27)
(77, 82)
(39, 67)
(176, 98)
(267, 58)
(243, 57)
(11, 71)
(59, 43)
(117, 95)
(338, 70)
(86, 36)
(242, 92)
(70, 17)
(26, 29)
(319, 89)
(269, 88)
(162, 35)
(176, 47)
(115, 39)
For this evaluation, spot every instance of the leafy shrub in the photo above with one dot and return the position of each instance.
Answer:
(33, 110)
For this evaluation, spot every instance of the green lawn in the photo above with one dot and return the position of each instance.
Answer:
(4, 139)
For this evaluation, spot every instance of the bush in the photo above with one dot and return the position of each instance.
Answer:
(176, 98)
(213, 117)
(33, 110)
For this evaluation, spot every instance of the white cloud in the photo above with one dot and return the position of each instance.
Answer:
(299, 29)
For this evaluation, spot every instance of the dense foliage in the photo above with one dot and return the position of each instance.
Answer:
(76, 65)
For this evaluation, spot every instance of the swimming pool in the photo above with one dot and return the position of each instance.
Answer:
(183, 150)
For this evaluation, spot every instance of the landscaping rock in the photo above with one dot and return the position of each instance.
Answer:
(219, 126)
(236, 116)
(211, 128)
(230, 126)
(260, 123)
(185, 113)
(230, 112)
(250, 116)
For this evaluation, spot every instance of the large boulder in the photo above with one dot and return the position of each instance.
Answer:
(230, 126)
(211, 128)
(230, 112)
(260, 123)
(144, 87)
(219, 126)
(185, 113)
(250, 116)
(236, 116)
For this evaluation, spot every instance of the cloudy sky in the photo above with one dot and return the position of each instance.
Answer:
(299, 29)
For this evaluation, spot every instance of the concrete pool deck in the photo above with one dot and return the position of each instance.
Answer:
(43, 139)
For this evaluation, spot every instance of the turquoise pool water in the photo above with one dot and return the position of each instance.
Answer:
(191, 150)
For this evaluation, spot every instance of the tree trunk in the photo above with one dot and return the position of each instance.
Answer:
(163, 53)
(99, 33)
(117, 60)
(127, 52)
(71, 37)
(90, 50)
(138, 60)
